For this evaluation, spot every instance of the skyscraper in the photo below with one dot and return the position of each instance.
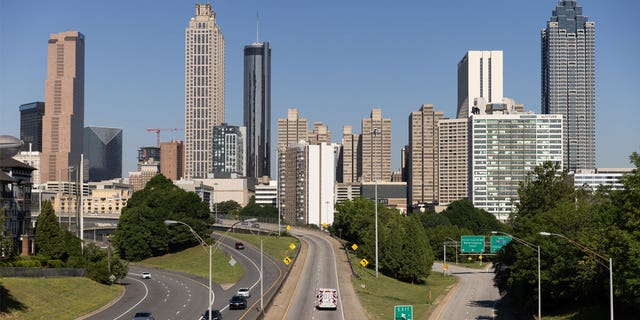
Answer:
(292, 129)
(479, 76)
(31, 126)
(453, 159)
(348, 161)
(423, 156)
(63, 120)
(103, 152)
(172, 164)
(568, 81)
(229, 149)
(204, 90)
(257, 108)
(375, 155)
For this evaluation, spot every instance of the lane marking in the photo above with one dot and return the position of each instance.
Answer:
(337, 279)
(304, 266)
(146, 293)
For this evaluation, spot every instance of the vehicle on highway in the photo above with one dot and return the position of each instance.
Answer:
(244, 292)
(143, 316)
(244, 223)
(146, 275)
(255, 225)
(239, 245)
(327, 298)
(237, 302)
(215, 315)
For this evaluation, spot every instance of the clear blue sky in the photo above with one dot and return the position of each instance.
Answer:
(334, 60)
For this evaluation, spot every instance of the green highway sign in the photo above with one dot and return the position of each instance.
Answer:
(497, 242)
(472, 244)
(403, 312)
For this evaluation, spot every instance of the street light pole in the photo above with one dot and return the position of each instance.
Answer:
(533, 247)
(375, 133)
(595, 256)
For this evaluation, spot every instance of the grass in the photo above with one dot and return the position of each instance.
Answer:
(196, 261)
(271, 244)
(53, 298)
(379, 296)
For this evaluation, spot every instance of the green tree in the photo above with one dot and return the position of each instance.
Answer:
(50, 241)
(228, 207)
(6, 243)
(542, 189)
(252, 209)
(463, 214)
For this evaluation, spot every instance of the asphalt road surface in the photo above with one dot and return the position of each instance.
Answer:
(319, 271)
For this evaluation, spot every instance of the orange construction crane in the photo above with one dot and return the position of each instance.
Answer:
(157, 131)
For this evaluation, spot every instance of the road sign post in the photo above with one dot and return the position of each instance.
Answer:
(403, 312)
(472, 244)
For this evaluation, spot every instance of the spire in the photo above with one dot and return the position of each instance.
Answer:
(257, 27)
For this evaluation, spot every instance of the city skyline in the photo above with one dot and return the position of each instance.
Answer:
(322, 71)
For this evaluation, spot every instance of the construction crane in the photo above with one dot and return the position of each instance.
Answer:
(157, 131)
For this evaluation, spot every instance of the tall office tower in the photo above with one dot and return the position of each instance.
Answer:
(103, 152)
(569, 81)
(479, 76)
(423, 156)
(31, 126)
(257, 108)
(172, 164)
(504, 149)
(453, 160)
(292, 129)
(348, 161)
(204, 90)
(63, 119)
(229, 149)
(319, 134)
(375, 157)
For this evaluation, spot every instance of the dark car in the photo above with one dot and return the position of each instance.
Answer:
(239, 245)
(143, 316)
(215, 315)
(237, 302)
(255, 225)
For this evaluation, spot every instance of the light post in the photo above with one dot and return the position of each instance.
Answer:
(374, 133)
(456, 246)
(533, 247)
(204, 244)
(595, 257)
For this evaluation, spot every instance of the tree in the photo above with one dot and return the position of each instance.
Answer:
(50, 241)
(6, 243)
(542, 189)
(98, 261)
(463, 214)
(228, 207)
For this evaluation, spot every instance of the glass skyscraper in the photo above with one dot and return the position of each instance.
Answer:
(257, 108)
(31, 125)
(568, 81)
(103, 151)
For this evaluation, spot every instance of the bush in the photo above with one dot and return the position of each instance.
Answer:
(55, 263)
(28, 263)
(75, 262)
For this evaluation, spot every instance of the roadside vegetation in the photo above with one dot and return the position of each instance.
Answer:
(271, 244)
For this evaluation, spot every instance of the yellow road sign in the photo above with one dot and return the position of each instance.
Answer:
(288, 227)
(324, 225)
(480, 257)
(446, 266)
(292, 246)
(286, 260)
(364, 262)
(354, 247)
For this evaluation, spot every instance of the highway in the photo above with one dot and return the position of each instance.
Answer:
(474, 297)
(319, 271)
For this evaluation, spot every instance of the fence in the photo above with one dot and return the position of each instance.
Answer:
(41, 272)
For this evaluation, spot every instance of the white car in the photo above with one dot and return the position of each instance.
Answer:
(244, 292)
(146, 275)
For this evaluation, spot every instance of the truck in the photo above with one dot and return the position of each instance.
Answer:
(327, 298)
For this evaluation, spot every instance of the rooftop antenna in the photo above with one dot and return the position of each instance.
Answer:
(257, 27)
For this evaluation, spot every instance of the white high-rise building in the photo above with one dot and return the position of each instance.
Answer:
(204, 90)
(479, 76)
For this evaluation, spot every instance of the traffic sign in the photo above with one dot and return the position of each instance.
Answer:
(445, 266)
(288, 227)
(354, 247)
(497, 242)
(286, 260)
(469, 244)
(403, 312)
(364, 262)
(292, 246)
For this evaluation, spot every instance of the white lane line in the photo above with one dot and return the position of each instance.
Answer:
(337, 279)
(146, 293)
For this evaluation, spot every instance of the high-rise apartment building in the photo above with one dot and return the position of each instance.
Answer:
(31, 126)
(204, 90)
(63, 120)
(172, 164)
(568, 81)
(319, 134)
(257, 108)
(348, 164)
(292, 129)
(229, 149)
(453, 160)
(479, 76)
(504, 149)
(375, 156)
(103, 152)
(423, 156)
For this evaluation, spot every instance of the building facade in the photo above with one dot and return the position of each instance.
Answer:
(453, 160)
(103, 152)
(257, 109)
(504, 148)
(423, 153)
(568, 81)
(229, 149)
(31, 126)
(63, 120)
(319, 134)
(292, 129)
(15, 207)
(349, 169)
(609, 177)
(146, 154)
(31, 158)
(375, 155)
(172, 165)
(479, 76)
(204, 90)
